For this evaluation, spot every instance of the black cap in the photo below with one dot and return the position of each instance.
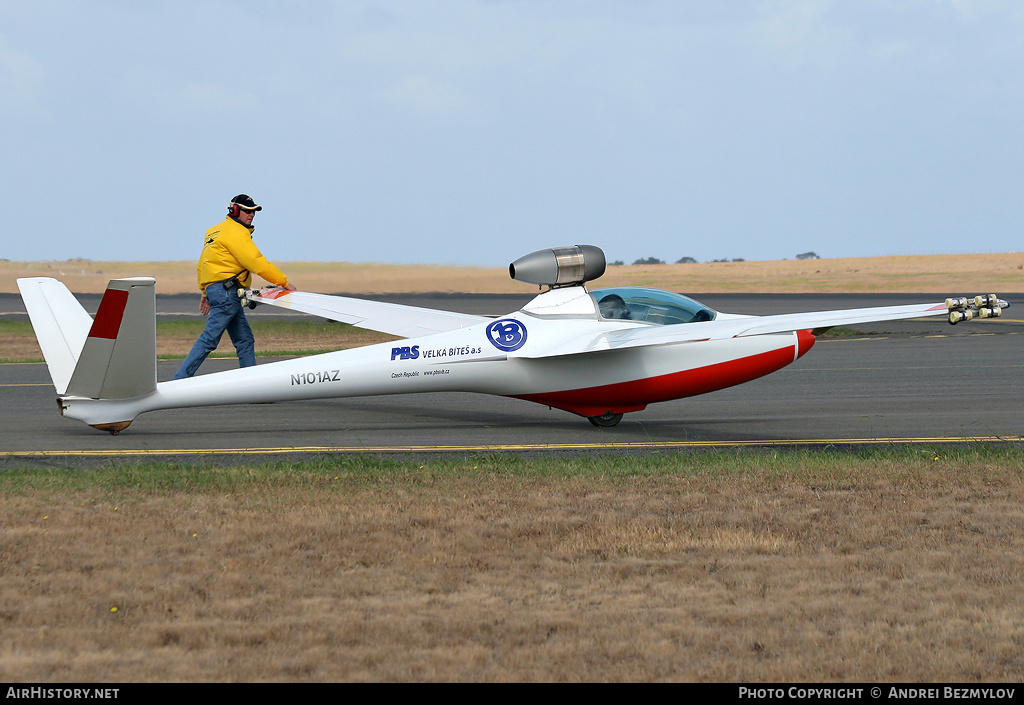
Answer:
(245, 202)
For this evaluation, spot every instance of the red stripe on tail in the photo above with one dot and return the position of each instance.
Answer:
(109, 314)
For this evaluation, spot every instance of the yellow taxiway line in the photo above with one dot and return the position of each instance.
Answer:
(510, 447)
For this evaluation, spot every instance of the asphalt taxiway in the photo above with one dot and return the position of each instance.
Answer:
(913, 382)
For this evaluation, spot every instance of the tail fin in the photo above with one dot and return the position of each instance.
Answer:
(112, 357)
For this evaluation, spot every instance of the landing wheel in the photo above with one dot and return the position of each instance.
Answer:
(112, 428)
(605, 420)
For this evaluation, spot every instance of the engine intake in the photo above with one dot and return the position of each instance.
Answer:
(559, 266)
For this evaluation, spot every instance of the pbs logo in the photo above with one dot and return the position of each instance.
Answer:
(507, 334)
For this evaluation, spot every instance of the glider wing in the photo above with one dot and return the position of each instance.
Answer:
(728, 326)
(394, 319)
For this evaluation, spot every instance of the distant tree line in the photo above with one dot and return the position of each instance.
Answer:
(692, 260)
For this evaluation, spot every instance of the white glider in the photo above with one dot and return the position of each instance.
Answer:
(598, 353)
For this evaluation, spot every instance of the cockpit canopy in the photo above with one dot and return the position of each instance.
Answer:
(638, 303)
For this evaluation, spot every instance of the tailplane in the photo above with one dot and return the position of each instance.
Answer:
(111, 357)
(60, 323)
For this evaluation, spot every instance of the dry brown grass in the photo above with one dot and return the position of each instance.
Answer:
(865, 571)
(19, 347)
(905, 274)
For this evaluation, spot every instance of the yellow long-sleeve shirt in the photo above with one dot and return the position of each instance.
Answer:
(229, 251)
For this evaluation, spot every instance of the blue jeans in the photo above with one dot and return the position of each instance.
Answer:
(226, 314)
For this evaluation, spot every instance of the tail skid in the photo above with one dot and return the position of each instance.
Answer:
(111, 357)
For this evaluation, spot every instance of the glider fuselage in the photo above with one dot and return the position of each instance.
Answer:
(479, 359)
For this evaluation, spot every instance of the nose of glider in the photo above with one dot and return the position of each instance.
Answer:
(805, 341)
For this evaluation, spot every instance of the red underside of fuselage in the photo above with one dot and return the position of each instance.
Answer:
(637, 394)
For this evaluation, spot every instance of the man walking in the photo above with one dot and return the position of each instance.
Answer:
(227, 263)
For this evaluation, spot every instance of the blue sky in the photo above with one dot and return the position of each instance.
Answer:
(475, 131)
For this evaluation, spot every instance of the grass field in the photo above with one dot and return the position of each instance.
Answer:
(891, 565)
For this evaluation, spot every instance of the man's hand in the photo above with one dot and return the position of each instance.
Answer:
(204, 306)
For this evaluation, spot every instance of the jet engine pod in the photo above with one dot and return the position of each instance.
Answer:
(559, 266)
